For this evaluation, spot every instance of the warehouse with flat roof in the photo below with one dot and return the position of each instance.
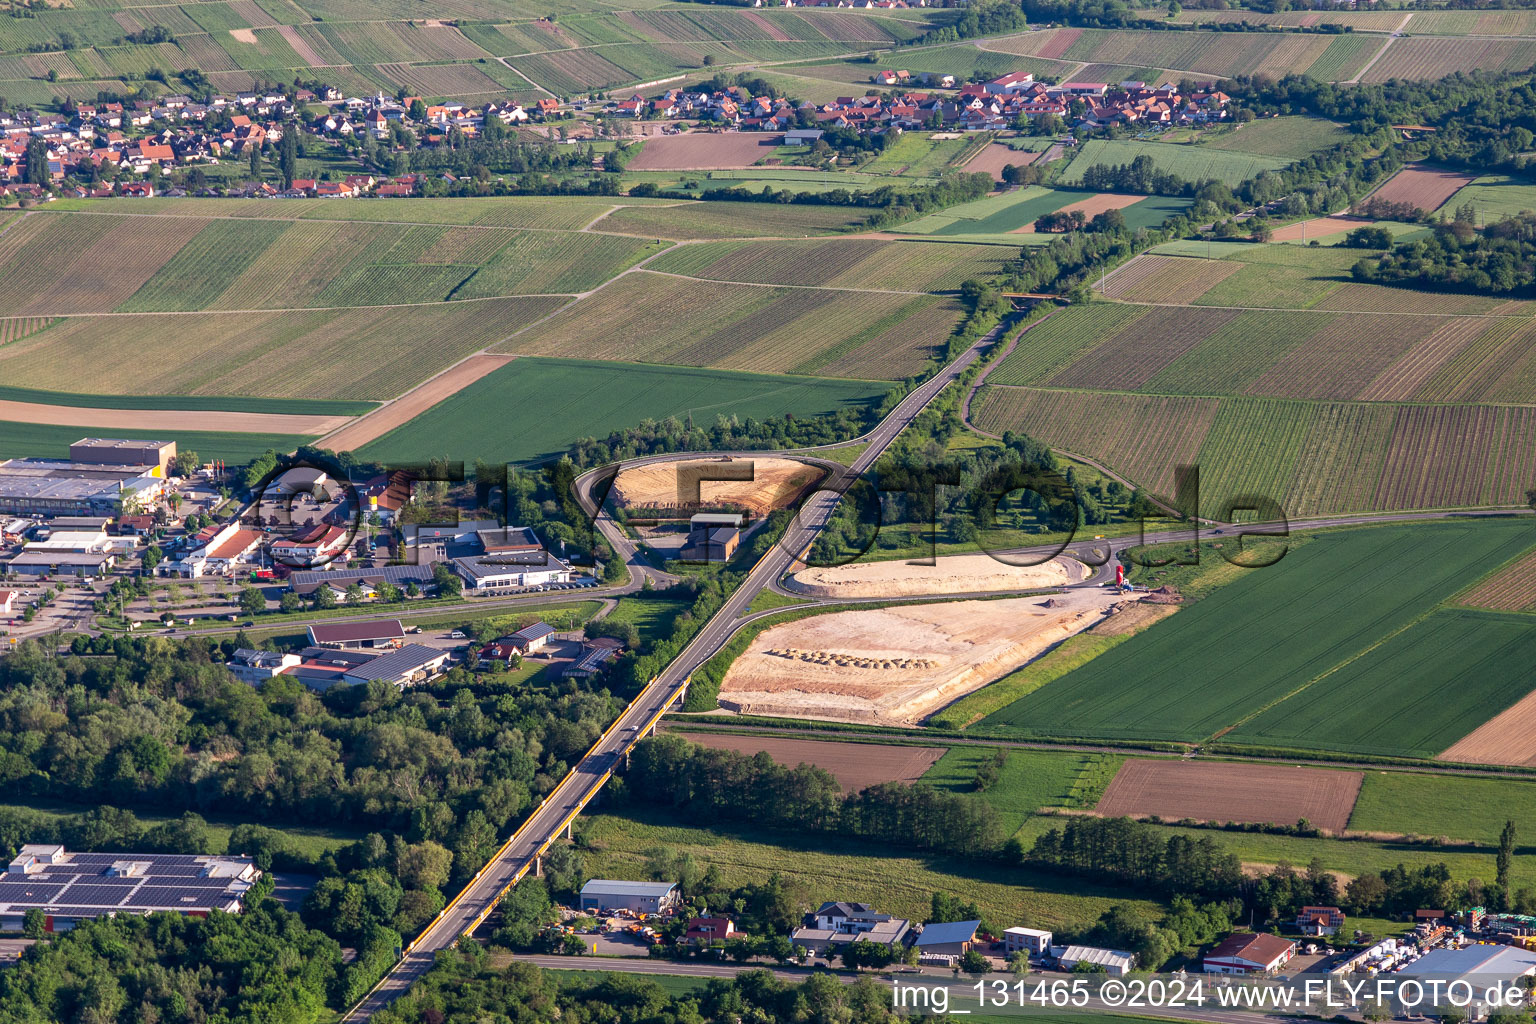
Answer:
(640, 897)
(70, 887)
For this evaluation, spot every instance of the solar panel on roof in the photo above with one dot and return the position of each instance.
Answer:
(30, 892)
(91, 896)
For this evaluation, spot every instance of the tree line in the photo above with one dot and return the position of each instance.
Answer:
(702, 784)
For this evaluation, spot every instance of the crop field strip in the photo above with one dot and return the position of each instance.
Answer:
(850, 263)
(654, 318)
(1240, 657)
(234, 42)
(612, 396)
(251, 264)
(1315, 458)
(1190, 162)
(366, 353)
(1443, 677)
(1511, 589)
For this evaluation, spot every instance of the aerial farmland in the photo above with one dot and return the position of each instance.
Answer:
(636, 510)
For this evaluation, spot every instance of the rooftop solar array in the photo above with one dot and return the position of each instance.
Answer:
(97, 882)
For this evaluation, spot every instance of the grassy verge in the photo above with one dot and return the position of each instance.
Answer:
(821, 868)
(768, 600)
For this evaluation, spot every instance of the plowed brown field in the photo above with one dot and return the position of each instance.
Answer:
(856, 765)
(1219, 791)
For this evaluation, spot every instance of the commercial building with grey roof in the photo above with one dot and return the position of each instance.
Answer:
(70, 887)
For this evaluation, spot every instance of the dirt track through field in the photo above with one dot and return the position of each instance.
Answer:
(168, 419)
(414, 402)
(856, 765)
(1220, 791)
(1507, 738)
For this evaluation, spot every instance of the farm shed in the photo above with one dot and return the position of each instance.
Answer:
(948, 938)
(1114, 961)
(1249, 954)
(640, 897)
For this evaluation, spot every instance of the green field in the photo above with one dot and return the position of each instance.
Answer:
(1495, 197)
(839, 262)
(1190, 162)
(533, 409)
(994, 218)
(221, 403)
(652, 615)
(1276, 631)
(692, 220)
(1443, 805)
(819, 867)
(1290, 138)
(1413, 696)
(19, 440)
(1029, 780)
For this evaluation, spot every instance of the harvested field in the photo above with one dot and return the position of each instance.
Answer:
(1509, 590)
(953, 574)
(993, 158)
(1217, 791)
(704, 152)
(856, 766)
(775, 483)
(243, 35)
(1424, 187)
(414, 402)
(167, 419)
(1090, 207)
(899, 665)
(1507, 738)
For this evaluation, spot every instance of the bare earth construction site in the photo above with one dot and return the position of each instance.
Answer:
(899, 665)
(953, 574)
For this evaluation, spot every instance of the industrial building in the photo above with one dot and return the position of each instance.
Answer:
(356, 635)
(947, 939)
(497, 572)
(1114, 961)
(71, 887)
(639, 897)
(305, 582)
(1244, 953)
(256, 667)
(407, 666)
(1480, 969)
(71, 552)
(99, 475)
(712, 537)
(1026, 940)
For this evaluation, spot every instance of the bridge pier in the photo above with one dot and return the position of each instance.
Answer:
(568, 830)
(538, 866)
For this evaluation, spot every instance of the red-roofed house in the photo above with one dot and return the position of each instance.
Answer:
(705, 930)
(1249, 954)
(1014, 81)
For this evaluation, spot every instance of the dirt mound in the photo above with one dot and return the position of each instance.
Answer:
(898, 665)
(952, 574)
(1164, 595)
(774, 484)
